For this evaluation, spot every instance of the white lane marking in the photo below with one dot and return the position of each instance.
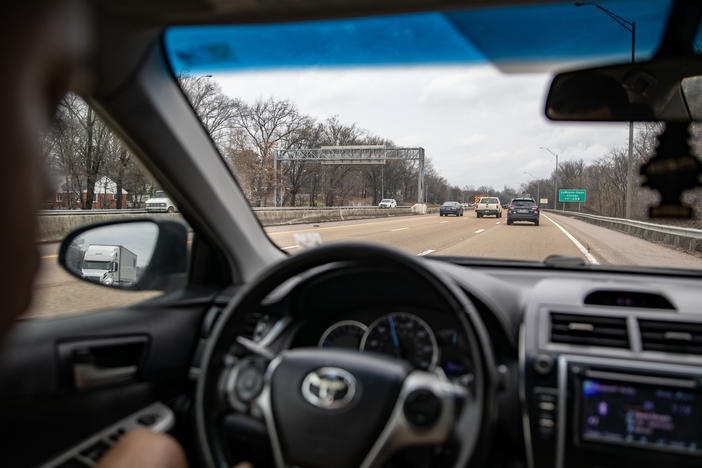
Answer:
(479, 231)
(498, 222)
(426, 252)
(399, 229)
(580, 246)
(289, 247)
(442, 222)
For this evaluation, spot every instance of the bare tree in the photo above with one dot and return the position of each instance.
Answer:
(85, 141)
(269, 125)
(216, 110)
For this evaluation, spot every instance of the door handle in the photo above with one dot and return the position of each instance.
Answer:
(91, 375)
(96, 362)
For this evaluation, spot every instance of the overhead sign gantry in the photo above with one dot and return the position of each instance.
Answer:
(350, 155)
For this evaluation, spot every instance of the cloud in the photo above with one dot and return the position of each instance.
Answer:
(478, 125)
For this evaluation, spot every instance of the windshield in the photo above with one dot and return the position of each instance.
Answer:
(523, 203)
(159, 194)
(386, 200)
(425, 108)
(96, 265)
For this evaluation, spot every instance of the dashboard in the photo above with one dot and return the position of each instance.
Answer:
(595, 368)
(409, 323)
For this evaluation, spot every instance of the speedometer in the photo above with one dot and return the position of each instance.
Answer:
(404, 336)
(344, 334)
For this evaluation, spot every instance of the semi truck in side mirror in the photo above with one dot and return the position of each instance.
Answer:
(134, 254)
(110, 265)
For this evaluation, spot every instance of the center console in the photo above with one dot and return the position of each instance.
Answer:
(604, 387)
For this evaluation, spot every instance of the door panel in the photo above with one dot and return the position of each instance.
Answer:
(44, 413)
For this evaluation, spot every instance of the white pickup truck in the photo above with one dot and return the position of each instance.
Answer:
(488, 206)
(160, 203)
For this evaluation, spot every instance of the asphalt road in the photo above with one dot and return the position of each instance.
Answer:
(56, 292)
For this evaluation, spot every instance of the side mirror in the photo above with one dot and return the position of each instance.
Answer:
(131, 254)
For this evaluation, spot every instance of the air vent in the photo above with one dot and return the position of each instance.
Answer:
(642, 300)
(589, 330)
(671, 337)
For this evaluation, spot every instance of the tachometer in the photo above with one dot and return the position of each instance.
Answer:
(344, 334)
(405, 336)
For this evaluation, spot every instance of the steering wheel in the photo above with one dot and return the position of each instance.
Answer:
(338, 408)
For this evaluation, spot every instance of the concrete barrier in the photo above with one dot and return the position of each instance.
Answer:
(55, 226)
(272, 217)
(688, 239)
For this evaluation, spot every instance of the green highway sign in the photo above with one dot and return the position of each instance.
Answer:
(571, 195)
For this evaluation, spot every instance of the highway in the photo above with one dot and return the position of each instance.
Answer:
(57, 293)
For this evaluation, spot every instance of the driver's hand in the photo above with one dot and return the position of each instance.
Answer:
(144, 449)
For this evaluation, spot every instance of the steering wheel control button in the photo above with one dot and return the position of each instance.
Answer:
(422, 408)
(249, 382)
(329, 388)
(543, 364)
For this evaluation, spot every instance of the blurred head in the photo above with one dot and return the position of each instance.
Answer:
(44, 52)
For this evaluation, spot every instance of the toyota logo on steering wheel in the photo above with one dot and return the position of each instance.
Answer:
(329, 387)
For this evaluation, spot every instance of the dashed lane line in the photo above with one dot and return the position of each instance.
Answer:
(479, 231)
(442, 222)
(399, 229)
(590, 258)
(289, 247)
(426, 252)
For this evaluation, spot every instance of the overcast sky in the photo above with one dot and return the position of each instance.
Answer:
(478, 125)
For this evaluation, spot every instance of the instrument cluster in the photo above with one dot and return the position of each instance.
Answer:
(402, 335)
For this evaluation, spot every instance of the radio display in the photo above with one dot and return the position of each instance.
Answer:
(642, 415)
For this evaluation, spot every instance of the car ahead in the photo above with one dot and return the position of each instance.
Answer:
(451, 208)
(523, 209)
(387, 203)
(160, 203)
(488, 206)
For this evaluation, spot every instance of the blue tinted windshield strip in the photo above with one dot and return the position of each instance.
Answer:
(420, 38)
(554, 32)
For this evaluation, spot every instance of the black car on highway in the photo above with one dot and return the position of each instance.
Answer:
(523, 209)
(451, 208)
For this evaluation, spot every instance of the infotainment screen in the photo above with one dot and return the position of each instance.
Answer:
(641, 414)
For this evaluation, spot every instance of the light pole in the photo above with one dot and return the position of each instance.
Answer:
(538, 188)
(631, 27)
(555, 182)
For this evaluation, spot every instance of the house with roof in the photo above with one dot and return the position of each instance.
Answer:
(71, 194)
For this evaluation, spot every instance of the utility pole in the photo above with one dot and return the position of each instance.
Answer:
(538, 188)
(631, 27)
(555, 184)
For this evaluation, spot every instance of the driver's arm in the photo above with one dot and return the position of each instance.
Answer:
(144, 449)
(147, 449)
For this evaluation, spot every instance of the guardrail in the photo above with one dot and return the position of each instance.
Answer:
(254, 208)
(689, 239)
(55, 224)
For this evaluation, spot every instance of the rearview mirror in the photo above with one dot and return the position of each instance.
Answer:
(132, 254)
(658, 90)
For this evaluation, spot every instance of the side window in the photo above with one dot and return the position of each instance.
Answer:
(91, 170)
